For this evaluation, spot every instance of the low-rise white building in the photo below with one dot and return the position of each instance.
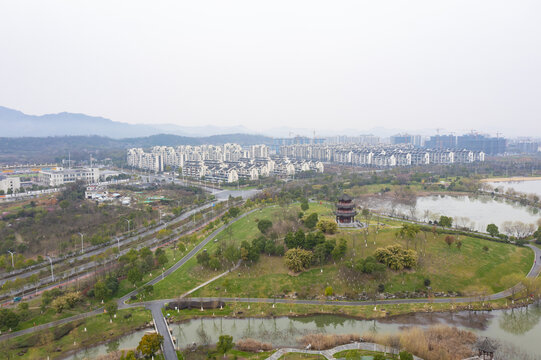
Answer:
(63, 176)
(10, 184)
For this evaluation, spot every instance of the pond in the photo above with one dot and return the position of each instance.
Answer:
(520, 327)
(472, 212)
(525, 187)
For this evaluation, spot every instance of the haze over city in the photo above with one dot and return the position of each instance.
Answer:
(314, 65)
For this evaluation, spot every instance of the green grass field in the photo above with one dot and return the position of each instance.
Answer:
(191, 274)
(470, 270)
(98, 330)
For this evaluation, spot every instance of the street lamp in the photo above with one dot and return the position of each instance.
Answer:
(118, 243)
(51, 261)
(82, 246)
(12, 263)
(128, 220)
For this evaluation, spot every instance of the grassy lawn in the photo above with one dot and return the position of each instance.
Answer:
(56, 343)
(243, 310)
(191, 274)
(469, 270)
(204, 353)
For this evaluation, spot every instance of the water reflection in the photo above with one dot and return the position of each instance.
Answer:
(520, 321)
(518, 326)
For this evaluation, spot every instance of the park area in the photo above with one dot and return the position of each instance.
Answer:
(476, 267)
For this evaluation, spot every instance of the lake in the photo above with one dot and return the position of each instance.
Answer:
(520, 327)
(473, 212)
(526, 187)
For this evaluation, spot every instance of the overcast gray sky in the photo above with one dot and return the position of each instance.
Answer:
(457, 65)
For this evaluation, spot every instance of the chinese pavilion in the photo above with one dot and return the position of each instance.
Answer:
(345, 210)
(486, 350)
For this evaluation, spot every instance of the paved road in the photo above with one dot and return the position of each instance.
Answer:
(51, 324)
(168, 348)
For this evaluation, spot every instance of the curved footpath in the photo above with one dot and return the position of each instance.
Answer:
(156, 305)
(329, 354)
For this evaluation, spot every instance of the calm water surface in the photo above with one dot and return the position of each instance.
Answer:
(473, 212)
(526, 187)
(519, 326)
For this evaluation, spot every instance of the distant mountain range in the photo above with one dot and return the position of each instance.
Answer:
(15, 123)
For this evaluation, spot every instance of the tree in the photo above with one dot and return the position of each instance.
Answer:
(339, 251)
(264, 225)
(100, 290)
(203, 258)
(135, 275)
(111, 307)
(298, 259)
(150, 345)
(427, 282)
(304, 205)
(493, 230)
(225, 343)
(64, 204)
(327, 226)
(234, 212)
(8, 319)
(459, 244)
(409, 231)
(449, 240)
(162, 258)
(446, 221)
(311, 221)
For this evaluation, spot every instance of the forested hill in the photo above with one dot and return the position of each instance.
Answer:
(55, 148)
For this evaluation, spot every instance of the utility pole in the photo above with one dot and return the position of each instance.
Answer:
(12, 262)
(52, 273)
(82, 242)
(118, 243)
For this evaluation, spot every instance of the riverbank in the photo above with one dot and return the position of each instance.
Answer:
(509, 179)
(62, 340)
(238, 310)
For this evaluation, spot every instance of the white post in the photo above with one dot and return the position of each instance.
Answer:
(128, 220)
(82, 242)
(52, 273)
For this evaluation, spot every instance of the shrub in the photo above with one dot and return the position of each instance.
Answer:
(60, 331)
(327, 226)
(298, 259)
(328, 291)
(396, 258)
(253, 345)
(404, 355)
(328, 341)
(264, 225)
